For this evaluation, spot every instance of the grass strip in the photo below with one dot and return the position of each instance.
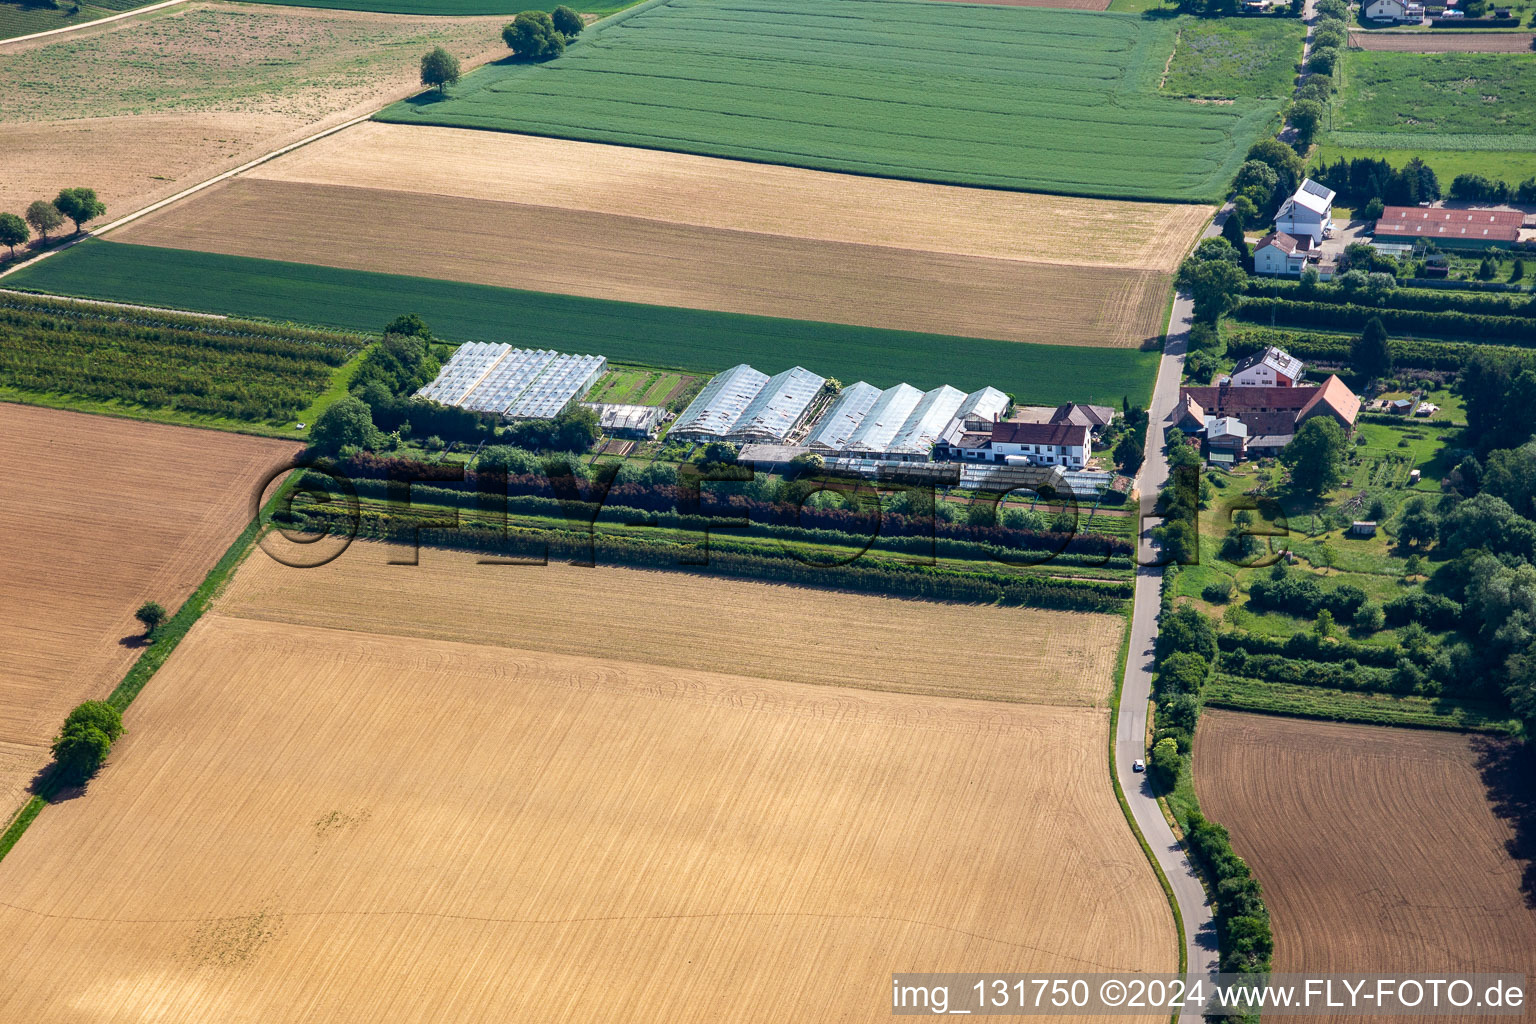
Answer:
(155, 655)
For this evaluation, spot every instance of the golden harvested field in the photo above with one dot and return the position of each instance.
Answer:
(1443, 42)
(685, 621)
(642, 260)
(673, 229)
(741, 196)
(1378, 848)
(97, 516)
(310, 824)
(142, 108)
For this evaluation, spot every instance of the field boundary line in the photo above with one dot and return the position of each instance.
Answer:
(98, 21)
(156, 654)
(184, 193)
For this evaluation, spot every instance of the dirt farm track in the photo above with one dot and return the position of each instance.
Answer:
(307, 822)
(672, 229)
(98, 515)
(1379, 849)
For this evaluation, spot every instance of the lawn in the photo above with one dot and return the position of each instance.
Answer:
(657, 336)
(1414, 100)
(1011, 97)
(1232, 57)
(1513, 167)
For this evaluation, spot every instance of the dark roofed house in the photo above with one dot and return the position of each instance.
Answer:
(1094, 417)
(1047, 444)
(1272, 413)
(1269, 366)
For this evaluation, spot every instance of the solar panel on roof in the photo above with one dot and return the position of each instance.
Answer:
(1313, 187)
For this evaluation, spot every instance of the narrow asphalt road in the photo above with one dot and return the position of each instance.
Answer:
(1130, 737)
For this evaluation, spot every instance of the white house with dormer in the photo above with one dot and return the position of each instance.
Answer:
(1271, 368)
(1308, 213)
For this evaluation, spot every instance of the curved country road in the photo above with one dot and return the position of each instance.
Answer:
(1130, 735)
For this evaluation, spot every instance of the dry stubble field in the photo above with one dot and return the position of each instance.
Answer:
(674, 229)
(144, 107)
(1378, 848)
(98, 515)
(685, 621)
(306, 822)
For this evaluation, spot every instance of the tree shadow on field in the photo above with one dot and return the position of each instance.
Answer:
(46, 784)
(1508, 770)
(134, 641)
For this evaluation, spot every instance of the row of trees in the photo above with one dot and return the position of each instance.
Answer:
(44, 216)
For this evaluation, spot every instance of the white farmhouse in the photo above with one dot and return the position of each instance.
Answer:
(1271, 368)
(1308, 213)
(1279, 254)
(1043, 444)
(1394, 10)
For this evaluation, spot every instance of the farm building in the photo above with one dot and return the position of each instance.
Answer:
(632, 421)
(1042, 444)
(516, 383)
(1226, 440)
(1308, 213)
(1468, 229)
(1278, 254)
(1272, 367)
(1270, 414)
(743, 405)
(838, 423)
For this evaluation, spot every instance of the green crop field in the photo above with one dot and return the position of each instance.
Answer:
(1231, 57)
(450, 8)
(1409, 95)
(1009, 97)
(624, 332)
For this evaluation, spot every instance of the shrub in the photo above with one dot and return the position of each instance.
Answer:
(1219, 592)
(532, 36)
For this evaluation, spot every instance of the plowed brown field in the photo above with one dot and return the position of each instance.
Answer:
(1443, 42)
(679, 230)
(741, 196)
(1378, 849)
(142, 108)
(697, 622)
(98, 515)
(309, 824)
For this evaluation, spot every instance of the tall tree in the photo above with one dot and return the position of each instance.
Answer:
(567, 22)
(13, 231)
(44, 217)
(439, 69)
(1370, 354)
(80, 205)
(532, 36)
(1315, 455)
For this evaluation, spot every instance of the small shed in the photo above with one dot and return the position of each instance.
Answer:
(1362, 528)
(1401, 406)
(1414, 476)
